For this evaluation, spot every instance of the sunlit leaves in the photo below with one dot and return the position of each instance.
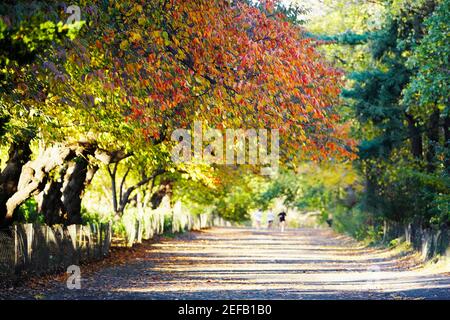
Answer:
(230, 65)
(431, 83)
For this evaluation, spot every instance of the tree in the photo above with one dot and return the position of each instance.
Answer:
(244, 68)
(426, 94)
(22, 37)
(395, 54)
(111, 96)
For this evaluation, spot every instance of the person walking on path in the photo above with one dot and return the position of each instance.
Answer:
(270, 218)
(258, 216)
(282, 216)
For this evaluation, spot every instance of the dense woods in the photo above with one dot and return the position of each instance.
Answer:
(398, 91)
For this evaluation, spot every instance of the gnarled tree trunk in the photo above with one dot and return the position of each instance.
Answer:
(75, 182)
(19, 154)
(61, 200)
(50, 203)
(34, 175)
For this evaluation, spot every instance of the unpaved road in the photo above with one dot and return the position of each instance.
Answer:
(230, 263)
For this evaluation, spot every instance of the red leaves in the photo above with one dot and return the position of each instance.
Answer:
(304, 79)
(219, 60)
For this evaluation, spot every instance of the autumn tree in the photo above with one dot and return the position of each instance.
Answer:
(138, 70)
(23, 37)
(243, 68)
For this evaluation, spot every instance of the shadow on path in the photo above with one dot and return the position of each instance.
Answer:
(232, 263)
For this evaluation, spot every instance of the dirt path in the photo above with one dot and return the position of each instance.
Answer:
(227, 263)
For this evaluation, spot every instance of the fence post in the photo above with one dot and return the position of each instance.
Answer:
(16, 249)
(138, 236)
(29, 234)
(100, 238)
(109, 237)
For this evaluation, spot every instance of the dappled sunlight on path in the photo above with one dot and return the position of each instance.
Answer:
(231, 263)
(295, 264)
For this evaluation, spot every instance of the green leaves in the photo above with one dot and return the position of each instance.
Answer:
(397, 84)
(429, 64)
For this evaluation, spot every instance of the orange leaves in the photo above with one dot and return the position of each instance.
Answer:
(130, 67)
(225, 64)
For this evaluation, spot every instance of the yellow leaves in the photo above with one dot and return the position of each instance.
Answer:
(142, 20)
(302, 118)
(302, 135)
(165, 36)
(176, 41)
(331, 174)
(239, 98)
(53, 98)
(200, 80)
(136, 9)
(135, 36)
(157, 37)
(156, 34)
(124, 45)
(309, 107)
(181, 55)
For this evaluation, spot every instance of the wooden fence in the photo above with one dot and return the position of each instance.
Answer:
(428, 241)
(36, 248)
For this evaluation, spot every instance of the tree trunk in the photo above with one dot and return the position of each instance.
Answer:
(74, 185)
(125, 195)
(447, 143)
(165, 188)
(91, 171)
(50, 202)
(416, 137)
(433, 137)
(112, 175)
(34, 176)
(19, 154)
